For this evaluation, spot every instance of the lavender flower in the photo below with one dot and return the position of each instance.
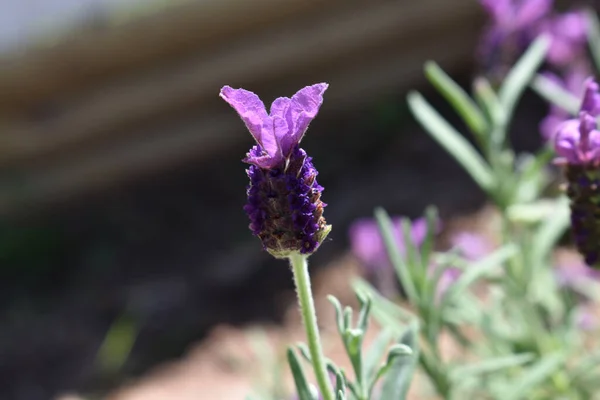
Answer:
(514, 24)
(568, 34)
(577, 144)
(284, 198)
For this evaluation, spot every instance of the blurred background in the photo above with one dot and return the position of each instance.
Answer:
(122, 236)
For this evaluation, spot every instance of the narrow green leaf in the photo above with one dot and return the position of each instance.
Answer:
(353, 344)
(431, 216)
(532, 178)
(412, 253)
(338, 313)
(489, 366)
(302, 387)
(535, 375)
(459, 99)
(398, 378)
(365, 310)
(477, 270)
(375, 355)
(593, 33)
(522, 73)
(340, 386)
(386, 228)
(555, 94)
(304, 351)
(388, 313)
(489, 100)
(550, 231)
(452, 141)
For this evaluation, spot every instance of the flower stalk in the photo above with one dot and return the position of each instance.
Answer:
(299, 264)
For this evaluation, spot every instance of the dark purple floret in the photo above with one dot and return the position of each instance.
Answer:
(285, 207)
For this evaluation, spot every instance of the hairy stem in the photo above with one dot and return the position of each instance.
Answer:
(309, 317)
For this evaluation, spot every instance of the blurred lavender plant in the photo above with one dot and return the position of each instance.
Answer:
(286, 213)
(524, 337)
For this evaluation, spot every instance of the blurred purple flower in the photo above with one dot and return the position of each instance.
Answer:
(368, 246)
(514, 24)
(568, 33)
(572, 275)
(586, 318)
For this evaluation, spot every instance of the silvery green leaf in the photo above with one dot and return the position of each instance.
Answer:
(459, 99)
(478, 270)
(385, 227)
(302, 387)
(375, 355)
(347, 318)
(388, 313)
(555, 94)
(399, 376)
(353, 344)
(365, 311)
(550, 231)
(340, 386)
(431, 216)
(412, 253)
(521, 74)
(488, 99)
(452, 141)
(531, 213)
(304, 351)
(490, 365)
(338, 313)
(533, 376)
(533, 176)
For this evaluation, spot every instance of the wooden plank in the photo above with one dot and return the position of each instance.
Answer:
(215, 131)
(273, 55)
(94, 54)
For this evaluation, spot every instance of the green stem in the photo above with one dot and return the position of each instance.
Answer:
(309, 317)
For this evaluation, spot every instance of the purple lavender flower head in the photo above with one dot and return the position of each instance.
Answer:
(577, 141)
(514, 24)
(577, 144)
(284, 198)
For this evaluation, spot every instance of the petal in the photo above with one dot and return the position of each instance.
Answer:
(566, 140)
(591, 98)
(303, 109)
(252, 111)
(283, 124)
